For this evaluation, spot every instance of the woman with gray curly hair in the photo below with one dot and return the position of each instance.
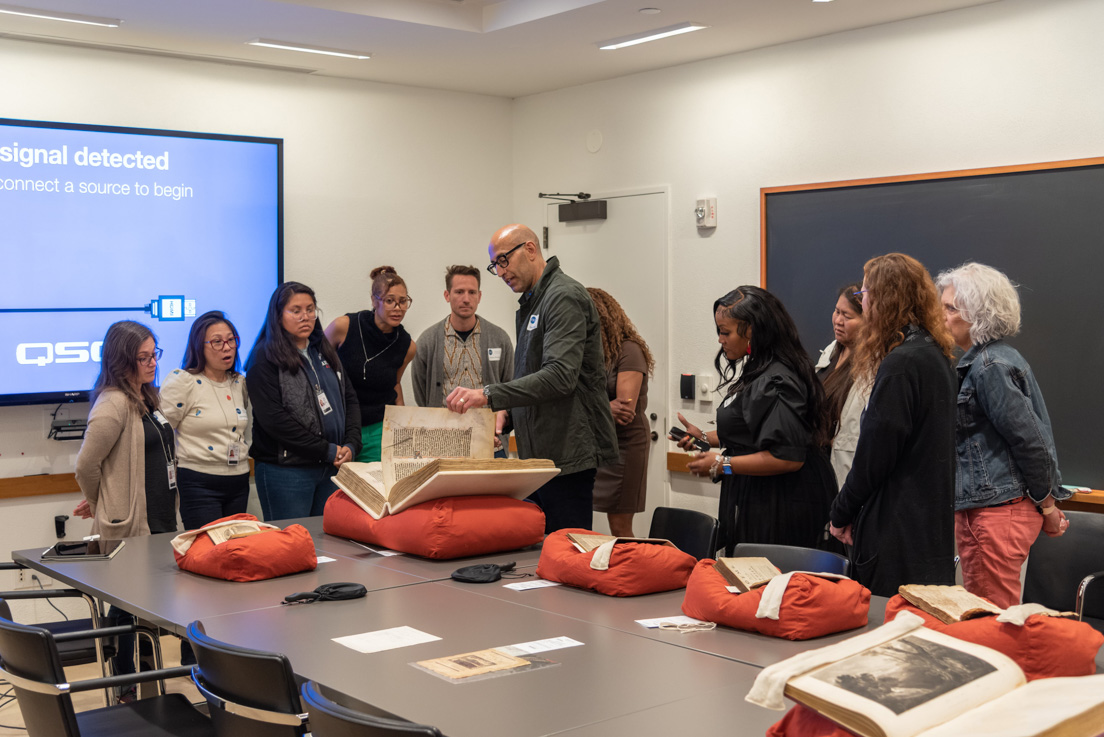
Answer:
(1007, 481)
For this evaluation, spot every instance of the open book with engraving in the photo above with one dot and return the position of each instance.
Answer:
(430, 453)
(927, 684)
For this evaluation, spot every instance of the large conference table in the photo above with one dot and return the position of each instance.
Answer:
(624, 679)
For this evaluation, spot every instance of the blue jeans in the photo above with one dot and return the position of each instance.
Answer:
(206, 497)
(287, 492)
(566, 501)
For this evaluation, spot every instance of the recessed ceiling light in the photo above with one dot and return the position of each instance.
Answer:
(639, 38)
(88, 20)
(822, 1)
(648, 11)
(295, 46)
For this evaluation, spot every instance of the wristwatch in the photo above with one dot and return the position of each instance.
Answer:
(487, 396)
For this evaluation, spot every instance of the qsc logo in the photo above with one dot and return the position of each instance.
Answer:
(41, 354)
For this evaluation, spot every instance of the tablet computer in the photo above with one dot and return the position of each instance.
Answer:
(84, 550)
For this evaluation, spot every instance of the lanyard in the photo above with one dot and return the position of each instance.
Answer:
(218, 401)
(364, 347)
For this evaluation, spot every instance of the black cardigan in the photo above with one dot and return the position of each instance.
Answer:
(899, 495)
(278, 437)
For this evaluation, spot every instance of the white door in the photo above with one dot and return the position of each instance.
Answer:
(626, 255)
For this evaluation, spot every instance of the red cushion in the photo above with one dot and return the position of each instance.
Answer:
(453, 527)
(811, 607)
(634, 568)
(1044, 647)
(803, 722)
(254, 558)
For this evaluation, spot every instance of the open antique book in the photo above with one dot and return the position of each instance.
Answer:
(430, 453)
(923, 683)
(746, 573)
(948, 604)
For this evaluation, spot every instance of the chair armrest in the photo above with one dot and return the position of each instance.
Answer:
(1082, 587)
(41, 594)
(122, 629)
(94, 684)
(11, 565)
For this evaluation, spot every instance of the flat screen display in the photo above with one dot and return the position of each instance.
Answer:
(100, 224)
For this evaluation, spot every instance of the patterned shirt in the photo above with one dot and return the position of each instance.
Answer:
(462, 359)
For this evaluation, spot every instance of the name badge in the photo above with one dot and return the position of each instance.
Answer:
(233, 453)
(533, 322)
(324, 403)
(494, 354)
(241, 415)
(160, 417)
(172, 475)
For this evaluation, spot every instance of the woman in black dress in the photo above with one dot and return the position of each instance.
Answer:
(375, 350)
(777, 483)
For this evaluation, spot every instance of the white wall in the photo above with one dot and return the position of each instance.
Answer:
(373, 174)
(1011, 82)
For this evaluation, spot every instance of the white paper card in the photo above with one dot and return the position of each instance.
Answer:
(538, 646)
(540, 583)
(389, 639)
(325, 559)
(674, 619)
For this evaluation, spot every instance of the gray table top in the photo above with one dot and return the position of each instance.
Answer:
(612, 675)
(621, 613)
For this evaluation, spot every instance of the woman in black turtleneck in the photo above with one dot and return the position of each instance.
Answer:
(375, 350)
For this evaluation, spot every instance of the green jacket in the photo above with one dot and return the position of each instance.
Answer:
(557, 400)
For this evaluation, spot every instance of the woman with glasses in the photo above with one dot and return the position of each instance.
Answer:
(772, 428)
(1008, 479)
(126, 466)
(846, 399)
(375, 349)
(306, 421)
(896, 507)
(206, 402)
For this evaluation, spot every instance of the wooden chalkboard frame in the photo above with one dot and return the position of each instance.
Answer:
(954, 179)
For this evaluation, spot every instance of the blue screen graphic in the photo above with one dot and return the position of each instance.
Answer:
(107, 224)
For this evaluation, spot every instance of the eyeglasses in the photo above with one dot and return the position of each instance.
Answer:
(859, 293)
(403, 303)
(147, 360)
(308, 314)
(502, 260)
(218, 343)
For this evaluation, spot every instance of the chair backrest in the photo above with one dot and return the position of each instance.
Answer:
(29, 660)
(1056, 565)
(251, 693)
(330, 719)
(790, 558)
(692, 532)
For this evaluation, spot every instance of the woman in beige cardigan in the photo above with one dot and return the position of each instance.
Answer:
(126, 467)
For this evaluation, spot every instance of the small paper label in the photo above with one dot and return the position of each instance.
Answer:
(526, 585)
(674, 619)
(389, 639)
(539, 646)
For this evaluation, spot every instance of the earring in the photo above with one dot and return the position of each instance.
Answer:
(749, 348)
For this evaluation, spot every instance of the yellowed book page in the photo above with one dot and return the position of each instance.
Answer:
(477, 663)
(219, 535)
(1062, 707)
(907, 685)
(363, 483)
(746, 573)
(948, 604)
(413, 436)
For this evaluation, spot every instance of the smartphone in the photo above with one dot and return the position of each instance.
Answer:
(678, 434)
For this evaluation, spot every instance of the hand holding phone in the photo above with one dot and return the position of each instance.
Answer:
(677, 433)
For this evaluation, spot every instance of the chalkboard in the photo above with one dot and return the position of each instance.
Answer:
(1042, 225)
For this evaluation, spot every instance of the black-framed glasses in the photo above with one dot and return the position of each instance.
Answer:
(403, 303)
(218, 343)
(155, 356)
(502, 260)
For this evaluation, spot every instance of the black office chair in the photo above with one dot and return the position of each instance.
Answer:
(330, 719)
(790, 558)
(1060, 569)
(250, 693)
(691, 532)
(29, 660)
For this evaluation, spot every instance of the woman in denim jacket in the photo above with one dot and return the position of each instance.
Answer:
(1007, 479)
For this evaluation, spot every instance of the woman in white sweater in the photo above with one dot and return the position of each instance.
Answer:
(207, 404)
